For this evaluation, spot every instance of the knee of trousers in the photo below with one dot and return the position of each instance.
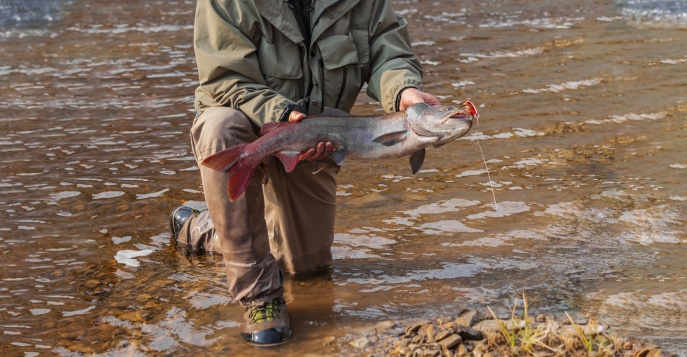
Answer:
(219, 128)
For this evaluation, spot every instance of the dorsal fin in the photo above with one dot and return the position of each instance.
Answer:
(267, 127)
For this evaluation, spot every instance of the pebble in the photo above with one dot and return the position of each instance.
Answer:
(384, 326)
(327, 341)
(360, 343)
(467, 318)
(491, 326)
(451, 341)
(413, 328)
(569, 331)
(443, 334)
(470, 334)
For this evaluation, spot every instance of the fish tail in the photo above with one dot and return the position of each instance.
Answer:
(237, 165)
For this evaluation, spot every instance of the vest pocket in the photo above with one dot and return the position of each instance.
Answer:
(280, 60)
(342, 72)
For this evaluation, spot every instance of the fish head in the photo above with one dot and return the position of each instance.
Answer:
(440, 124)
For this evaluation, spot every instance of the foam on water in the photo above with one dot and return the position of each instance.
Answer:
(655, 13)
(555, 88)
(128, 257)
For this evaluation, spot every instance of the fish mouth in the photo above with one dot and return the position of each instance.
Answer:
(466, 111)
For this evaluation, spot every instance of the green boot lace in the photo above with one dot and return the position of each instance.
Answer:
(266, 312)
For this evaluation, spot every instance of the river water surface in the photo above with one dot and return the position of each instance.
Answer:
(582, 125)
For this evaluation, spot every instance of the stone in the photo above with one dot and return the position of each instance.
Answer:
(462, 350)
(360, 342)
(327, 341)
(402, 350)
(569, 331)
(427, 332)
(430, 353)
(443, 334)
(491, 326)
(648, 352)
(467, 318)
(384, 326)
(451, 341)
(470, 334)
(412, 329)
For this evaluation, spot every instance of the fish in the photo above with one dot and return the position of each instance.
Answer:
(367, 138)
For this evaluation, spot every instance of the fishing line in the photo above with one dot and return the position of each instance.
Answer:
(491, 183)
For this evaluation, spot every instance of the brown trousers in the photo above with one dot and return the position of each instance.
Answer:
(283, 222)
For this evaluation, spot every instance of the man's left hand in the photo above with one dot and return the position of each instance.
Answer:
(412, 96)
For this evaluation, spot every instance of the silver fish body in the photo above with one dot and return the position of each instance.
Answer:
(356, 137)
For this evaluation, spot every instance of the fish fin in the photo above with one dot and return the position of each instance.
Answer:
(416, 160)
(267, 127)
(318, 166)
(391, 139)
(240, 176)
(234, 163)
(338, 156)
(225, 159)
(333, 112)
(289, 159)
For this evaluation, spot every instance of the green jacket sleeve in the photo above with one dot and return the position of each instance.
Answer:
(393, 64)
(228, 68)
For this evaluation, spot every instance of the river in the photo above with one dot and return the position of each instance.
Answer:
(582, 126)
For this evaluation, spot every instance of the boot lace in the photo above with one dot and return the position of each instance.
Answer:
(266, 312)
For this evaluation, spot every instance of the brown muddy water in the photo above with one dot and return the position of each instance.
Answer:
(582, 124)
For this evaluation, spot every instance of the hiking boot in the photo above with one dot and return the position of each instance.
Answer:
(179, 217)
(266, 324)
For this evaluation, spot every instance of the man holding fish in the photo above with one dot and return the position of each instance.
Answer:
(272, 61)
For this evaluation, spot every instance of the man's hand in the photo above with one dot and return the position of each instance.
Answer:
(412, 96)
(319, 152)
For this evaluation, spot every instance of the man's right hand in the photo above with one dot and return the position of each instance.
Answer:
(317, 153)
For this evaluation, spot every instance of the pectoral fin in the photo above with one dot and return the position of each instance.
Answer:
(416, 160)
(338, 156)
(391, 139)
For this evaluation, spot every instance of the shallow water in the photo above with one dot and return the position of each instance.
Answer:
(582, 125)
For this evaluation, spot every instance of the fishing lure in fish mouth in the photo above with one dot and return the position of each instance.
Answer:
(469, 107)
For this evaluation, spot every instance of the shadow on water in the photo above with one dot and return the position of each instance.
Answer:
(582, 125)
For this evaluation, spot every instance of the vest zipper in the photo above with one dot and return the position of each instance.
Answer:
(343, 86)
(322, 84)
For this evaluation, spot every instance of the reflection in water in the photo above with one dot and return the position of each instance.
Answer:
(582, 128)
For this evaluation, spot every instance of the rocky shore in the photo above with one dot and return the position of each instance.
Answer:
(472, 334)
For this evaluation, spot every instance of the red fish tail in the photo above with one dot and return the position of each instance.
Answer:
(238, 166)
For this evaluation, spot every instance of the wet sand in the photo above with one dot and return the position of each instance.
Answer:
(582, 125)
